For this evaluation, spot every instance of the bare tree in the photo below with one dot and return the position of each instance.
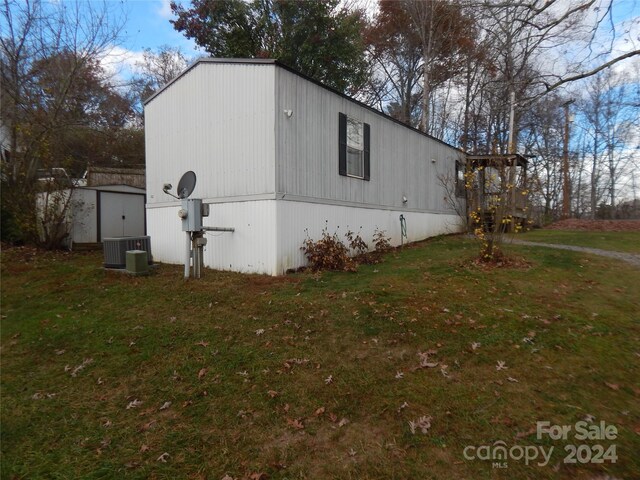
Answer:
(156, 69)
(49, 54)
(610, 124)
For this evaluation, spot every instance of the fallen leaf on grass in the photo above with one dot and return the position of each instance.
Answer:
(612, 386)
(144, 448)
(475, 345)
(511, 379)
(163, 458)
(399, 375)
(272, 393)
(202, 373)
(352, 452)
(78, 368)
(134, 404)
(260, 331)
(328, 380)
(531, 431)
(501, 365)
(429, 364)
(148, 426)
(423, 424)
(425, 359)
(202, 343)
(319, 411)
(295, 423)
(39, 396)
(258, 476)
(165, 405)
(343, 422)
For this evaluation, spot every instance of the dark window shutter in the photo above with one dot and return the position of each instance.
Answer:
(367, 161)
(342, 144)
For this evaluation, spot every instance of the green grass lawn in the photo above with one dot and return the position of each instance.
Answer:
(316, 376)
(616, 241)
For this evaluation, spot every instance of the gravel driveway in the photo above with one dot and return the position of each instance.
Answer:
(632, 258)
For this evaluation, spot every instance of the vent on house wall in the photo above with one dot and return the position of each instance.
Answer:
(115, 250)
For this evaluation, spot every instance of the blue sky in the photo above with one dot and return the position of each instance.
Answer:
(148, 27)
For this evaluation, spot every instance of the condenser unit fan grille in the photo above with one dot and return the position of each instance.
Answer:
(115, 250)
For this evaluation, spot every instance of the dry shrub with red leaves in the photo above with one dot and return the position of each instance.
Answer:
(330, 253)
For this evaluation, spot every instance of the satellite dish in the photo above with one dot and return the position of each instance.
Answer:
(186, 184)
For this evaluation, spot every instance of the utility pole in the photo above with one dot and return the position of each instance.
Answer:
(566, 186)
(511, 150)
(511, 141)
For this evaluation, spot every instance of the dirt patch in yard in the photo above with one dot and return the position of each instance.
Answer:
(596, 225)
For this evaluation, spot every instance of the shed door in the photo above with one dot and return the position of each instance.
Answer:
(121, 215)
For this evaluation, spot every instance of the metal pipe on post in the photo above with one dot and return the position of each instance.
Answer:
(187, 258)
(196, 260)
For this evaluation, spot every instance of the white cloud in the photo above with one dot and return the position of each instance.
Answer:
(165, 9)
(120, 64)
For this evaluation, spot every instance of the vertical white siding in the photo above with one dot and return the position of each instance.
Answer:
(307, 152)
(250, 249)
(81, 214)
(217, 120)
(297, 219)
(84, 227)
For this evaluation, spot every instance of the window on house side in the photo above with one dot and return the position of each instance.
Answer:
(354, 158)
(355, 148)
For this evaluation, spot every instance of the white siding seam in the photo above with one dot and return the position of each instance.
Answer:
(344, 203)
(241, 198)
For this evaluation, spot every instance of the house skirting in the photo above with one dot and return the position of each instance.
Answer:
(269, 233)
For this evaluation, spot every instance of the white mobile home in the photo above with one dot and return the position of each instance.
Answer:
(278, 157)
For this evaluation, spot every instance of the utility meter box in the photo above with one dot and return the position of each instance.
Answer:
(191, 214)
